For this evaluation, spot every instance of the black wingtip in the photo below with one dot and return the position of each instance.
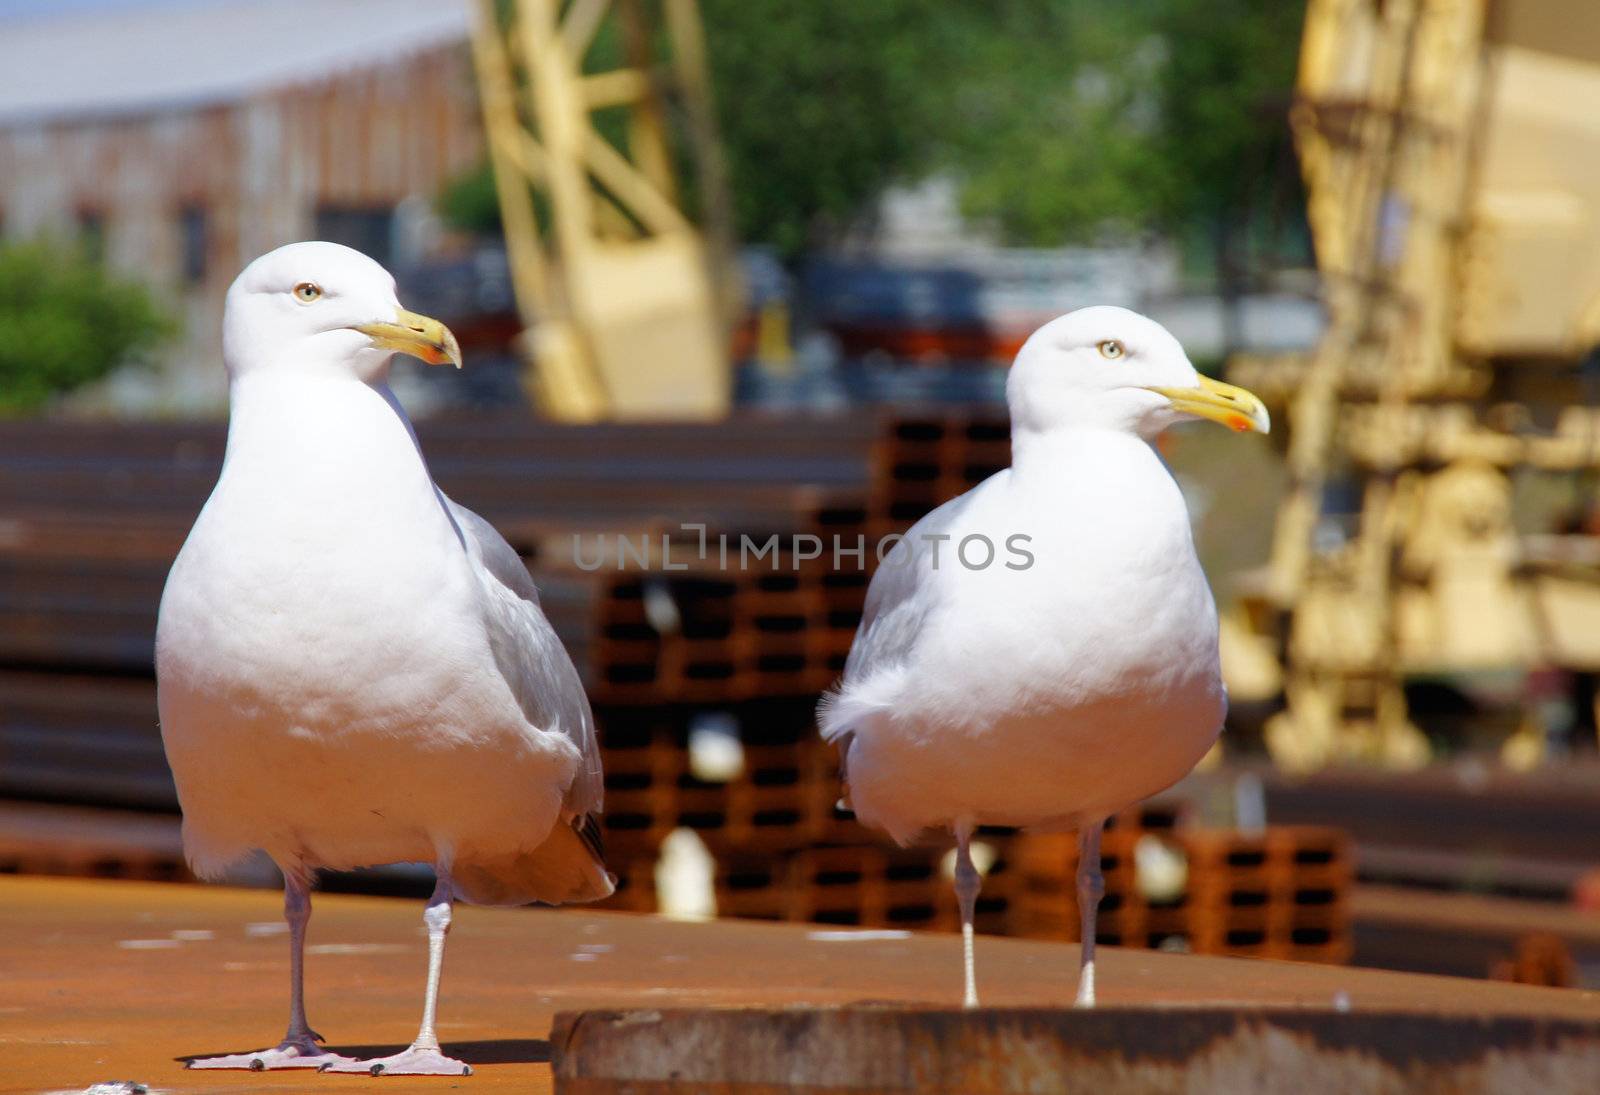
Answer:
(588, 829)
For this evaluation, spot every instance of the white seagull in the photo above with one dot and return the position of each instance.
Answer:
(1042, 651)
(353, 669)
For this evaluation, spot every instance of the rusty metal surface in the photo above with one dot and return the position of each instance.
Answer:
(95, 985)
(1110, 1050)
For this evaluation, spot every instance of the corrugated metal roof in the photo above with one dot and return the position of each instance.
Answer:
(176, 54)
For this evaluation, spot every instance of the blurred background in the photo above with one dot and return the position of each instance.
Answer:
(758, 269)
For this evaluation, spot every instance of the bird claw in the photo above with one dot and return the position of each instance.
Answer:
(414, 1061)
(296, 1054)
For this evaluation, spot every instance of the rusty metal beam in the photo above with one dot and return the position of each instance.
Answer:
(882, 1049)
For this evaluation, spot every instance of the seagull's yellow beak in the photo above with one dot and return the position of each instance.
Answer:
(1233, 407)
(416, 335)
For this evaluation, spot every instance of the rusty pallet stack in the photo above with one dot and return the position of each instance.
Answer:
(781, 628)
(782, 625)
(1280, 893)
(865, 886)
(924, 460)
(783, 800)
(849, 875)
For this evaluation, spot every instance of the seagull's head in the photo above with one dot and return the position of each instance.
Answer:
(1109, 368)
(321, 307)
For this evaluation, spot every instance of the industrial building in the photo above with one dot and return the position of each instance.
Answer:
(179, 145)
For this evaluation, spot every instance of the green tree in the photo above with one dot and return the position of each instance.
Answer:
(1225, 93)
(823, 104)
(64, 321)
(470, 202)
(1070, 120)
(1051, 118)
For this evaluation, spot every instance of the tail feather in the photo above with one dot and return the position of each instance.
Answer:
(568, 867)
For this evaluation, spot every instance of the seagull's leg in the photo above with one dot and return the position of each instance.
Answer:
(967, 883)
(1091, 887)
(423, 1057)
(299, 1047)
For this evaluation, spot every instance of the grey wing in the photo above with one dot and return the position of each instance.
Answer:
(903, 593)
(531, 658)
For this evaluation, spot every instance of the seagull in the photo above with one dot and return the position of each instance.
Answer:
(353, 669)
(1041, 651)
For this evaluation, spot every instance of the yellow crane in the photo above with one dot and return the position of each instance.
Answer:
(1451, 152)
(625, 300)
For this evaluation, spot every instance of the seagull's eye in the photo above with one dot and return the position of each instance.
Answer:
(307, 291)
(1112, 349)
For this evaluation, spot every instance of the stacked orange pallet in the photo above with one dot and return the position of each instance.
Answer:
(1280, 893)
(852, 875)
(782, 800)
(922, 461)
(860, 886)
(774, 624)
(773, 629)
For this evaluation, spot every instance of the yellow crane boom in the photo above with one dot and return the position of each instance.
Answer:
(622, 295)
(1451, 152)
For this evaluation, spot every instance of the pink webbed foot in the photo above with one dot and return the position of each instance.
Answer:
(290, 1053)
(415, 1061)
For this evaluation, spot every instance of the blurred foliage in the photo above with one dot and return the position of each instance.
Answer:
(64, 321)
(824, 103)
(1225, 91)
(469, 201)
(1053, 122)
(1069, 119)
(1065, 120)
